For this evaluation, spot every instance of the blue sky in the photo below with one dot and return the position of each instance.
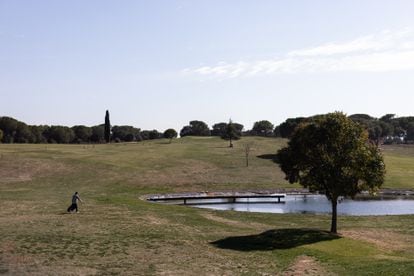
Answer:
(160, 64)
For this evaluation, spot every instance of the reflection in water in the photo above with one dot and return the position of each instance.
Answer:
(319, 204)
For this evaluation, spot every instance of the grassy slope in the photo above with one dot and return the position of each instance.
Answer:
(116, 233)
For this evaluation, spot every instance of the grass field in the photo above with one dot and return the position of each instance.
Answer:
(118, 233)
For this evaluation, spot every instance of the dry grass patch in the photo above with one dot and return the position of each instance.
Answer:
(305, 265)
(17, 169)
(382, 239)
(235, 223)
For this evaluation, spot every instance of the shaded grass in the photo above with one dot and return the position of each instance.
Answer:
(275, 239)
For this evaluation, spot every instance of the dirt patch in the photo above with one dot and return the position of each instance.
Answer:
(385, 240)
(305, 265)
(235, 223)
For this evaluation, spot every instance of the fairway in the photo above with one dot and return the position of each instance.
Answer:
(119, 233)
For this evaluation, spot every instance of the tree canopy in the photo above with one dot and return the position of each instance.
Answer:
(82, 134)
(125, 133)
(195, 128)
(332, 155)
(170, 134)
(232, 132)
(263, 128)
(285, 129)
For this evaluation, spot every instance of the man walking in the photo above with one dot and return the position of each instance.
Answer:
(75, 199)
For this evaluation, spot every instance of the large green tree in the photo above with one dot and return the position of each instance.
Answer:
(332, 155)
(196, 128)
(263, 128)
(232, 132)
(9, 127)
(125, 133)
(107, 131)
(170, 134)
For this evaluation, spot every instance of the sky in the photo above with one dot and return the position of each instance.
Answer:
(160, 64)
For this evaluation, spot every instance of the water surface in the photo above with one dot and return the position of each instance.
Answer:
(318, 204)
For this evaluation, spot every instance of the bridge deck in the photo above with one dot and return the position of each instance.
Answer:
(230, 198)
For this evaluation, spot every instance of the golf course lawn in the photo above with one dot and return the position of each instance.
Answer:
(116, 232)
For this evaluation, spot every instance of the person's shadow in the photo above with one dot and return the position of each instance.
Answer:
(275, 239)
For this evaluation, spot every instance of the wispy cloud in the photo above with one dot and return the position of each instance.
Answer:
(382, 52)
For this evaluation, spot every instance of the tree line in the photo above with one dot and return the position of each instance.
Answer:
(387, 129)
(15, 131)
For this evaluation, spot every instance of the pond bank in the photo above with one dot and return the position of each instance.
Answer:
(383, 193)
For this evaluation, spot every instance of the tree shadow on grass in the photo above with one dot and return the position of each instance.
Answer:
(272, 157)
(275, 239)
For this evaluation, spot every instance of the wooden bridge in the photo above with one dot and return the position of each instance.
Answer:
(224, 198)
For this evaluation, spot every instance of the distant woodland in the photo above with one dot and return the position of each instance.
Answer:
(388, 129)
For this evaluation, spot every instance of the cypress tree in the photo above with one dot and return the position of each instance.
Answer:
(107, 128)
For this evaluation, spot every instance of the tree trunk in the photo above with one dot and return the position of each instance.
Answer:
(231, 144)
(334, 202)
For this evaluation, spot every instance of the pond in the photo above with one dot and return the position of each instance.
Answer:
(318, 204)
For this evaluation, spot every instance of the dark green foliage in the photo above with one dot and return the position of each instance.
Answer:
(221, 129)
(332, 155)
(107, 132)
(59, 134)
(1, 135)
(38, 134)
(125, 133)
(403, 122)
(22, 134)
(186, 131)
(199, 128)
(82, 134)
(387, 129)
(196, 128)
(9, 127)
(361, 117)
(170, 134)
(218, 129)
(232, 131)
(154, 134)
(98, 134)
(149, 135)
(378, 130)
(144, 135)
(262, 128)
(286, 129)
(410, 132)
(387, 118)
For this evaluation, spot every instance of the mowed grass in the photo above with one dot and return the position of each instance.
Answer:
(118, 233)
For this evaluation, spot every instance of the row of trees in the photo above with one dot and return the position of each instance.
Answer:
(14, 131)
(387, 129)
(200, 128)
